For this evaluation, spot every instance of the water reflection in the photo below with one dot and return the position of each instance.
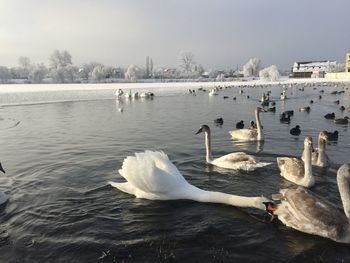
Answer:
(257, 146)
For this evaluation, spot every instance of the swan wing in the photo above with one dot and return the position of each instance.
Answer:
(291, 169)
(238, 161)
(244, 134)
(151, 172)
(307, 212)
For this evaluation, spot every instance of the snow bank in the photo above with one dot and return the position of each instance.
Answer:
(14, 94)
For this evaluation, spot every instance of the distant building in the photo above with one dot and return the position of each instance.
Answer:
(347, 62)
(341, 75)
(312, 69)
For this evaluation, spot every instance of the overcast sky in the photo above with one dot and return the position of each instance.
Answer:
(220, 33)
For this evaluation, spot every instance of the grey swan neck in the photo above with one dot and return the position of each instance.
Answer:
(208, 156)
(308, 178)
(260, 136)
(321, 150)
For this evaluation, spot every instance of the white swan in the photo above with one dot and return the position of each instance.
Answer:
(309, 213)
(297, 171)
(127, 96)
(135, 95)
(319, 157)
(248, 134)
(236, 161)
(213, 92)
(119, 93)
(3, 196)
(283, 95)
(151, 175)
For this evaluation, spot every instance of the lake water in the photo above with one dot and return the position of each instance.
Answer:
(60, 157)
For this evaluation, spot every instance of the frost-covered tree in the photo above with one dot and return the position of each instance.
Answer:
(187, 62)
(24, 67)
(4, 74)
(269, 74)
(252, 67)
(132, 73)
(98, 73)
(37, 73)
(60, 59)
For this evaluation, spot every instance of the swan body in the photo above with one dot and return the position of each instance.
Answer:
(248, 134)
(235, 161)
(151, 175)
(213, 92)
(309, 213)
(283, 95)
(297, 171)
(319, 157)
(3, 196)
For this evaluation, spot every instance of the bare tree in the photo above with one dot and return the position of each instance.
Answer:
(187, 61)
(251, 68)
(60, 59)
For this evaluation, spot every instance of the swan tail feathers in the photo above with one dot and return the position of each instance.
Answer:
(124, 187)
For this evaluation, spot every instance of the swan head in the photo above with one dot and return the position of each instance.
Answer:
(344, 171)
(307, 142)
(323, 135)
(2, 169)
(203, 128)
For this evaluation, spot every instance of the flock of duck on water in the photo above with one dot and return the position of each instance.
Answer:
(151, 175)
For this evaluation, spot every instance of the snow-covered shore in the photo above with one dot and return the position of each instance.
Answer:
(39, 93)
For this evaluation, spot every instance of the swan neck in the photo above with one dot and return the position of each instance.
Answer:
(321, 144)
(308, 177)
(344, 190)
(258, 126)
(208, 156)
(222, 198)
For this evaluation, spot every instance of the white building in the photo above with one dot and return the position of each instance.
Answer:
(312, 68)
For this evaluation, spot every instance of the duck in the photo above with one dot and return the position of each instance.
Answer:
(295, 131)
(3, 196)
(330, 116)
(336, 101)
(219, 121)
(297, 171)
(304, 109)
(311, 101)
(240, 124)
(344, 120)
(284, 118)
(252, 125)
(289, 112)
(342, 108)
(332, 136)
(151, 175)
(309, 213)
(234, 98)
(319, 97)
(248, 134)
(226, 97)
(272, 109)
(319, 157)
(234, 161)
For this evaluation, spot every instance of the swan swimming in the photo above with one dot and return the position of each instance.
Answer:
(151, 175)
(3, 196)
(236, 161)
(248, 134)
(319, 157)
(297, 171)
(309, 213)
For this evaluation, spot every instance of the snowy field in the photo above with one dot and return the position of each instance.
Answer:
(15, 94)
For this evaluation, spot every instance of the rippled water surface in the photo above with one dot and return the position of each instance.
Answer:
(60, 157)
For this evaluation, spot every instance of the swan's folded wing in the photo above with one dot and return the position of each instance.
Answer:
(243, 134)
(236, 157)
(312, 214)
(291, 167)
(151, 172)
